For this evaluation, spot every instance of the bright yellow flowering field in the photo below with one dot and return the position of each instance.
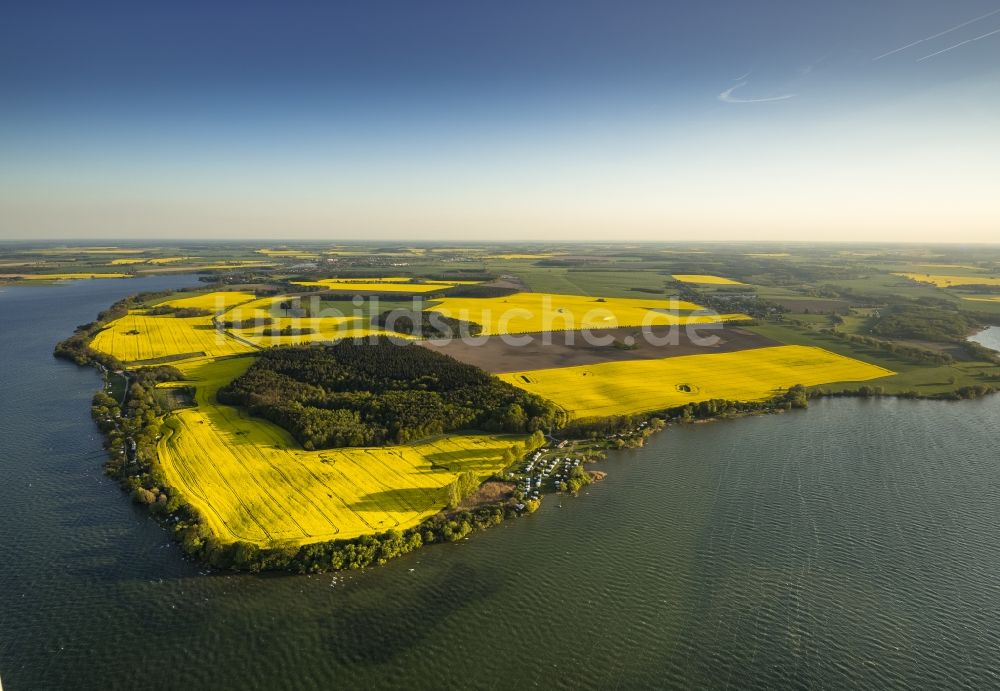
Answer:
(622, 388)
(168, 260)
(62, 277)
(138, 336)
(706, 279)
(218, 302)
(531, 312)
(942, 281)
(253, 482)
(380, 285)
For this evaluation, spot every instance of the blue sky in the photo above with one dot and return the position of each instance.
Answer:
(516, 120)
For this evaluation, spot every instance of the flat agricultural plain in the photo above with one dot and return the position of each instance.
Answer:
(253, 482)
(542, 312)
(624, 388)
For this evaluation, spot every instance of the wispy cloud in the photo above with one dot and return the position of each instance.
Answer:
(961, 43)
(727, 96)
(939, 35)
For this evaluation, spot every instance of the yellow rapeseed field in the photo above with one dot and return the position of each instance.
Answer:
(251, 481)
(62, 277)
(218, 301)
(168, 260)
(127, 261)
(380, 285)
(140, 336)
(622, 388)
(942, 281)
(532, 312)
(706, 279)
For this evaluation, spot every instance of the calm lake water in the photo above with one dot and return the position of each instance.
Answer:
(989, 337)
(855, 543)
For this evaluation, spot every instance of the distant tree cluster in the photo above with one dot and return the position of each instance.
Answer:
(246, 323)
(362, 394)
(479, 291)
(925, 323)
(182, 312)
(288, 330)
(425, 324)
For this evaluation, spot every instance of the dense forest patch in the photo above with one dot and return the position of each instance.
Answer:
(924, 322)
(352, 394)
(425, 324)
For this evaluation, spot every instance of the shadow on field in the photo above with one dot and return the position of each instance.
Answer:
(471, 459)
(404, 499)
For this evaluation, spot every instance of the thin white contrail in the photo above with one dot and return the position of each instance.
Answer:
(938, 35)
(962, 43)
(727, 96)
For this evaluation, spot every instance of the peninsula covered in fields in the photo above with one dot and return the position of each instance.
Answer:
(313, 407)
(443, 345)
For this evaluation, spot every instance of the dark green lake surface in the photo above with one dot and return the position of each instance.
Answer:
(856, 543)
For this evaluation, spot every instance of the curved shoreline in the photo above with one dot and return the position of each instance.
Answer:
(170, 507)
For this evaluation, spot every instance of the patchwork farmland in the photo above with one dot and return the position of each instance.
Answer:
(251, 480)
